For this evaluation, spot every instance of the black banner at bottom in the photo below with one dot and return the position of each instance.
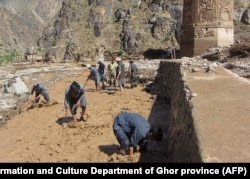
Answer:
(126, 169)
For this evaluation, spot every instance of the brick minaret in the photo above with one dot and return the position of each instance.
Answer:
(206, 24)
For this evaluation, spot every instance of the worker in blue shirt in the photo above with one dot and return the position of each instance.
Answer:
(101, 70)
(94, 75)
(133, 130)
(39, 89)
(75, 98)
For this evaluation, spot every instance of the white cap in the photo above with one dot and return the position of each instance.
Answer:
(88, 66)
(118, 59)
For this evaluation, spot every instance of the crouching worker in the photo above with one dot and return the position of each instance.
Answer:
(94, 75)
(40, 90)
(133, 130)
(74, 98)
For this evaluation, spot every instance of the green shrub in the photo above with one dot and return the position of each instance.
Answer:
(8, 57)
(130, 52)
(120, 52)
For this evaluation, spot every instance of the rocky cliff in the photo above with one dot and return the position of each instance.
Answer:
(22, 22)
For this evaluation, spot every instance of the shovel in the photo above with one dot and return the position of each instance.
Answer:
(26, 104)
(85, 83)
(84, 86)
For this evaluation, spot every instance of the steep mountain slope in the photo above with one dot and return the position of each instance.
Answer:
(22, 21)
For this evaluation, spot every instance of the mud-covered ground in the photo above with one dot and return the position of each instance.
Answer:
(41, 134)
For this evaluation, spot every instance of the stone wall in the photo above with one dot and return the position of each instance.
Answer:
(181, 135)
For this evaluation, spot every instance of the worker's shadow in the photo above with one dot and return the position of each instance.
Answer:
(109, 149)
(63, 120)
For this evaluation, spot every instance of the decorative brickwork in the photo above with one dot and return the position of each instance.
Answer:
(206, 24)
